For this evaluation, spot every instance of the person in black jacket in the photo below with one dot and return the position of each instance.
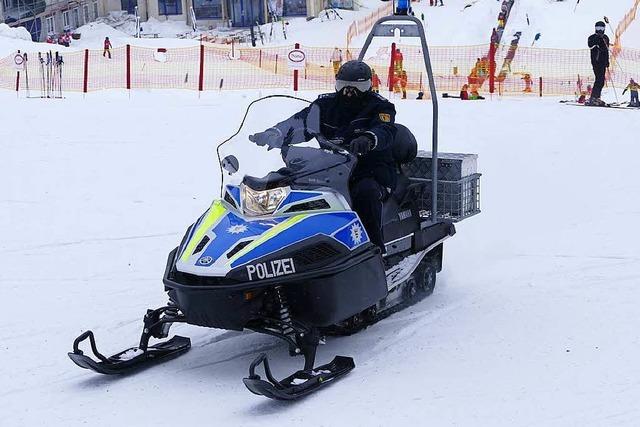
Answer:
(361, 121)
(599, 45)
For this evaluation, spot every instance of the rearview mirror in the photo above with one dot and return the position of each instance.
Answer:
(230, 164)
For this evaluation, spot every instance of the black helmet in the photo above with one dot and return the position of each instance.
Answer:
(354, 74)
(600, 27)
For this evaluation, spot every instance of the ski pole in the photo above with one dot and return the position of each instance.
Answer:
(41, 74)
(613, 86)
(26, 74)
(60, 70)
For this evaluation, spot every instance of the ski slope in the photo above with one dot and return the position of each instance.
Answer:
(452, 25)
(533, 321)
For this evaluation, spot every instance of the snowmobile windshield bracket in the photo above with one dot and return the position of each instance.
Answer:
(410, 26)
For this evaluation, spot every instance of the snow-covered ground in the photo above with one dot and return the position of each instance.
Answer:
(533, 321)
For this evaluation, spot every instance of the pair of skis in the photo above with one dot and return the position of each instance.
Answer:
(613, 105)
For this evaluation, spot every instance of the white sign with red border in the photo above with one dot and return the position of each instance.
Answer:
(18, 62)
(296, 59)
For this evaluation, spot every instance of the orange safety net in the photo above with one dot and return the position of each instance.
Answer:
(518, 69)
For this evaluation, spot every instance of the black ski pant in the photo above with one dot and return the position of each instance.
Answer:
(367, 196)
(599, 71)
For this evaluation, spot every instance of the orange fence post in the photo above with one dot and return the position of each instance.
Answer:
(540, 85)
(128, 66)
(201, 76)
(295, 72)
(85, 79)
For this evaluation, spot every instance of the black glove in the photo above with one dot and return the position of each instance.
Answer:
(271, 137)
(361, 145)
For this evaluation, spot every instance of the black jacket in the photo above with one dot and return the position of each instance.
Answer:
(372, 115)
(599, 45)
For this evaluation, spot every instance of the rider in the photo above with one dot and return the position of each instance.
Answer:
(361, 121)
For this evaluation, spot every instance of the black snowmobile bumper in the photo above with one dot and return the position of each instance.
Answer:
(318, 297)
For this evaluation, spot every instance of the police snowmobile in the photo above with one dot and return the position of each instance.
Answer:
(284, 254)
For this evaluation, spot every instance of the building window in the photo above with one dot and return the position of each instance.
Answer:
(76, 17)
(51, 24)
(170, 7)
(6, 4)
(95, 10)
(85, 10)
(65, 19)
(207, 9)
(295, 7)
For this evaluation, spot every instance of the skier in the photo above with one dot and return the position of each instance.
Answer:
(375, 81)
(527, 83)
(584, 94)
(107, 47)
(336, 60)
(362, 122)
(403, 84)
(464, 92)
(398, 60)
(599, 45)
(633, 87)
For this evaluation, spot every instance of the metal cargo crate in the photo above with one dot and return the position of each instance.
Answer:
(451, 166)
(457, 200)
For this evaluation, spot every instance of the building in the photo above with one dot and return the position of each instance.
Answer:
(42, 17)
(234, 13)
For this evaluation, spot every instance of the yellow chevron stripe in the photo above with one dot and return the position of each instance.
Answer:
(215, 212)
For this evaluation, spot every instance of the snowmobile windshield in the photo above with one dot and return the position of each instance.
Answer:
(278, 145)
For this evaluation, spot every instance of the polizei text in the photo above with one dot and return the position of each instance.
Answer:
(275, 268)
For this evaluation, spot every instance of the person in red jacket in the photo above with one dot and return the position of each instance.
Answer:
(403, 84)
(464, 94)
(375, 81)
(107, 47)
(398, 61)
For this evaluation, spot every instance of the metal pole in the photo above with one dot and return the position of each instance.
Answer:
(416, 30)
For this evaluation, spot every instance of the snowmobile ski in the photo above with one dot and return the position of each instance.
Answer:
(156, 324)
(128, 360)
(301, 383)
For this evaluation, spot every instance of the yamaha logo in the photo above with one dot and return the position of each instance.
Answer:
(205, 260)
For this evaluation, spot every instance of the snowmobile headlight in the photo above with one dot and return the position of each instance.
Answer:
(256, 203)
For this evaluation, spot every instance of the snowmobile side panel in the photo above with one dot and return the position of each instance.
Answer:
(325, 300)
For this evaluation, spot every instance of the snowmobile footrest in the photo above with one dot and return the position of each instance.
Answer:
(128, 360)
(300, 383)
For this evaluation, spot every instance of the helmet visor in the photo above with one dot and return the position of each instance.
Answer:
(360, 86)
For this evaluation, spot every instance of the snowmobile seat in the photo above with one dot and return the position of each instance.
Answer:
(405, 149)
(405, 146)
